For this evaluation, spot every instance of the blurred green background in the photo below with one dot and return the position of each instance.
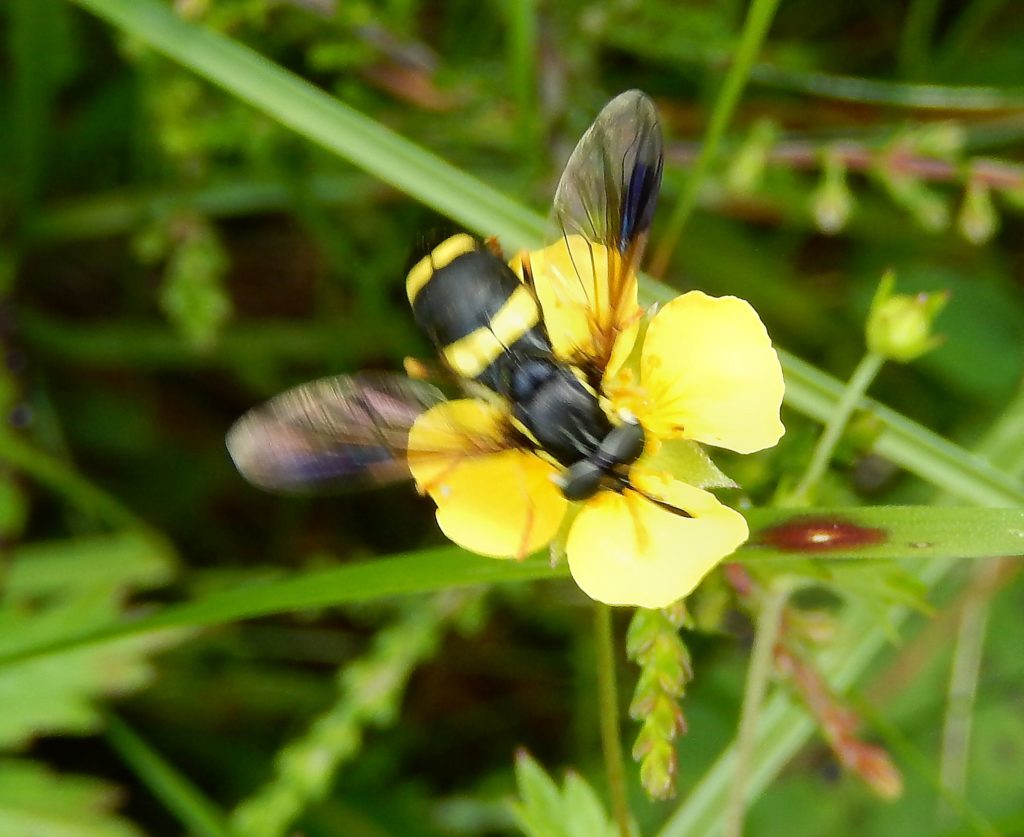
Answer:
(170, 256)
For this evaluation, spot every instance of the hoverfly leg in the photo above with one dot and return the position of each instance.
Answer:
(492, 244)
(426, 370)
(417, 369)
(524, 258)
(623, 484)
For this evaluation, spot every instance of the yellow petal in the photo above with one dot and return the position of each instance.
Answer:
(502, 504)
(625, 550)
(448, 431)
(575, 280)
(711, 374)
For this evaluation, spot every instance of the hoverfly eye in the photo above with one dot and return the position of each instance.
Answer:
(581, 480)
(623, 445)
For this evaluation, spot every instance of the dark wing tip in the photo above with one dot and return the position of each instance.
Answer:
(642, 165)
(610, 185)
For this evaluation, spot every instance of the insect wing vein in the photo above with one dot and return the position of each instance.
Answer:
(607, 195)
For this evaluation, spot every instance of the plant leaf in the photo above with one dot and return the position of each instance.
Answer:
(35, 801)
(547, 811)
(64, 587)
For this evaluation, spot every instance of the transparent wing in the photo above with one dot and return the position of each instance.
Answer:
(607, 196)
(348, 430)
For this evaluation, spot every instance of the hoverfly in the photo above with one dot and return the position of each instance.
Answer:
(486, 322)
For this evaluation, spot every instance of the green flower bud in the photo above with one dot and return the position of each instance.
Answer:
(747, 168)
(938, 139)
(978, 220)
(899, 325)
(832, 201)
(927, 207)
(658, 772)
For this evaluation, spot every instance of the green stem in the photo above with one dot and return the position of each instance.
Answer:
(521, 18)
(963, 32)
(768, 624)
(963, 680)
(182, 798)
(609, 708)
(918, 32)
(755, 27)
(856, 387)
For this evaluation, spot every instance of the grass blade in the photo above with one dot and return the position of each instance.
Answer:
(927, 533)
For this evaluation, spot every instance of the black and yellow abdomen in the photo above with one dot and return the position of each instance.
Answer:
(474, 309)
(487, 326)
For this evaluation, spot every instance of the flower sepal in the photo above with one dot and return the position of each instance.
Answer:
(688, 462)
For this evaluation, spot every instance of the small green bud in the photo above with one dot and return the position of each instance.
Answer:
(899, 325)
(747, 168)
(658, 771)
(832, 202)
(644, 628)
(937, 139)
(928, 208)
(978, 220)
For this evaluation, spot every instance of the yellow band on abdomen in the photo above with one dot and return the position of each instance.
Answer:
(470, 355)
(441, 256)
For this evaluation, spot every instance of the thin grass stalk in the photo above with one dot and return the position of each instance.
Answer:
(193, 810)
(755, 27)
(611, 741)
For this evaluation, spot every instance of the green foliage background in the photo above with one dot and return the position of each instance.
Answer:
(186, 229)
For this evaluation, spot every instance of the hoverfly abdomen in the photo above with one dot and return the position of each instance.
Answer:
(475, 311)
(564, 416)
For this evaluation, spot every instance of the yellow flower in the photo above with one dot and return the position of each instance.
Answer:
(701, 369)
